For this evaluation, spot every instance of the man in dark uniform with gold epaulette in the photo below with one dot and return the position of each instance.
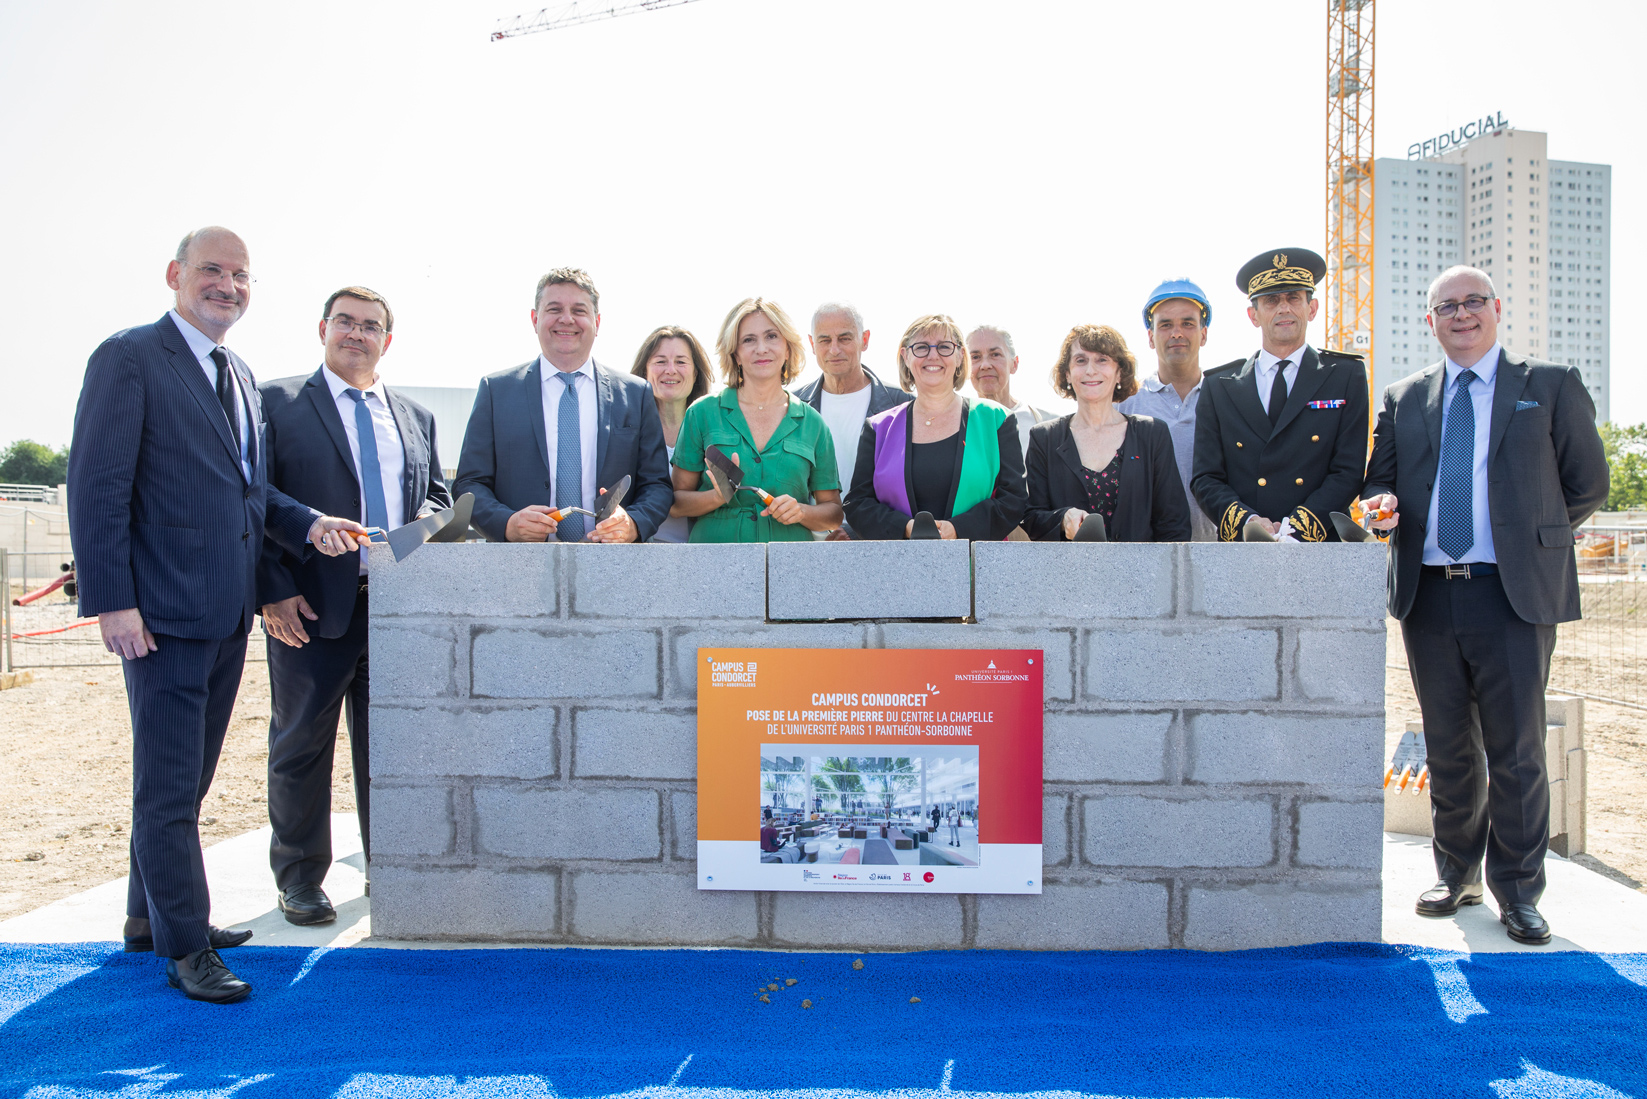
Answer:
(1281, 436)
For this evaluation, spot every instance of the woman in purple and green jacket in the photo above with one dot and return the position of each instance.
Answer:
(958, 458)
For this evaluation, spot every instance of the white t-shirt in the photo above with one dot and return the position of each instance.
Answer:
(845, 414)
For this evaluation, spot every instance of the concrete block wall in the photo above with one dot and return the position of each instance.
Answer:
(1213, 735)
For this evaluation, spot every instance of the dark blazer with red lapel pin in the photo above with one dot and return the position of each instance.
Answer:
(1309, 465)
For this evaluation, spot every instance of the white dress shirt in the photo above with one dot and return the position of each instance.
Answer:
(1481, 399)
(553, 387)
(203, 345)
(1265, 369)
(391, 453)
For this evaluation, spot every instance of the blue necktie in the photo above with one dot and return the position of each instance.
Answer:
(371, 472)
(1455, 520)
(568, 459)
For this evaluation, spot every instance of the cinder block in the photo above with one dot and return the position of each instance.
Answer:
(1113, 915)
(1177, 664)
(463, 904)
(1051, 581)
(411, 820)
(550, 663)
(659, 908)
(1054, 830)
(1341, 666)
(634, 743)
(690, 581)
(684, 646)
(413, 661)
(521, 822)
(683, 807)
(1272, 748)
(432, 741)
(503, 580)
(1105, 747)
(1287, 579)
(1341, 834)
(1282, 914)
(1128, 830)
(1057, 676)
(904, 921)
(821, 580)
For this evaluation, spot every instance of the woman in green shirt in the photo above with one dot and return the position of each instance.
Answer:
(782, 445)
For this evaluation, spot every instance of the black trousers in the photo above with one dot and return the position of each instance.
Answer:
(310, 686)
(1480, 673)
(181, 696)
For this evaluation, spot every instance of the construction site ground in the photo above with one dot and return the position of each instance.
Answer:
(65, 791)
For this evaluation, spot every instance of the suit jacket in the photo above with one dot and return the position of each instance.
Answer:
(881, 395)
(1546, 474)
(505, 457)
(1311, 463)
(1150, 506)
(309, 457)
(161, 514)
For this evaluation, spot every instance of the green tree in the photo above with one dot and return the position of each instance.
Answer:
(1627, 460)
(27, 462)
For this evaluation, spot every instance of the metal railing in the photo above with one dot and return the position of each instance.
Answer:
(34, 494)
(1604, 654)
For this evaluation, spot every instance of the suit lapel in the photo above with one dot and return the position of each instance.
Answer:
(411, 448)
(535, 412)
(603, 418)
(187, 367)
(320, 395)
(1069, 452)
(1311, 374)
(1510, 380)
(1435, 387)
(252, 402)
(1244, 393)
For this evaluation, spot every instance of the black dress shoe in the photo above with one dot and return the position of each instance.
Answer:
(1524, 924)
(1447, 897)
(140, 939)
(203, 976)
(306, 904)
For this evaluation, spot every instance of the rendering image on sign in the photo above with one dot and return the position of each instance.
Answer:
(863, 770)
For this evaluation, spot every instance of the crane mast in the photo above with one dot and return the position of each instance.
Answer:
(1350, 181)
(573, 13)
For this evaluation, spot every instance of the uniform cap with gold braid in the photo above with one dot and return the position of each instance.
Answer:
(1281, 270)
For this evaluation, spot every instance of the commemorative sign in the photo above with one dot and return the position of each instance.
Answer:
(870, 770)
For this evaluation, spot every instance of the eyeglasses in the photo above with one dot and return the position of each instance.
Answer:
(1475, 303)
(922, 350)
(367, 328)
(242, 279)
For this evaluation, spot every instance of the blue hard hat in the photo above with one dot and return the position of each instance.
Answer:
(1177, 288)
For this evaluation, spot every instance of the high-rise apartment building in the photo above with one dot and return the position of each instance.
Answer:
(1540, 228)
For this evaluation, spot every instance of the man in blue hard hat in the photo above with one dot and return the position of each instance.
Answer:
(1176, 316)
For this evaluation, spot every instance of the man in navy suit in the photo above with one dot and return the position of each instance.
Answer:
(168, 506)
(558, 431)
(340, 438)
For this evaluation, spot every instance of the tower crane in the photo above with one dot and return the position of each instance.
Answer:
(1350, 182)
(573, 12)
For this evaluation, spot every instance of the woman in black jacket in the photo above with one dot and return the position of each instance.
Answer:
(1098, 460)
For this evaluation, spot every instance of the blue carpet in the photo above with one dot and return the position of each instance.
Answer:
(1342, 1020)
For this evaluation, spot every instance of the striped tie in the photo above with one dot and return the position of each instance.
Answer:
(568, 459)
(1455, 520)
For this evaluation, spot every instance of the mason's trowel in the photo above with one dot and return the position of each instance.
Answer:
(1092, 529)
(443, 526)
(732, 472)
(924, 526)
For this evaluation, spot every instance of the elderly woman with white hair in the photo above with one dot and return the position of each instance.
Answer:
(956, 458)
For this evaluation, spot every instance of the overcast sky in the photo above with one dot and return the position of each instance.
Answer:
(1033, 164)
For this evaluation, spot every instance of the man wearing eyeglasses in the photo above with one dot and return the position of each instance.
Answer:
(343, 439)
(1498, 459)
(169, 501)
(1281, 436)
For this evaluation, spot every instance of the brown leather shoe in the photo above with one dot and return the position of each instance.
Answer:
(1445, 898)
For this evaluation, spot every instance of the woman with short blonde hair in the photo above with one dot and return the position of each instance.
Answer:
(782, 447)
(955, 458)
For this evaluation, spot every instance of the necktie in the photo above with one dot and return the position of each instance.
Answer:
(568, 459)
(226, 396)
(1278, 392)
(1455, 521)
(371, 471)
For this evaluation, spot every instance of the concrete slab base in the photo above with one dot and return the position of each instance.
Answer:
(1587, 912)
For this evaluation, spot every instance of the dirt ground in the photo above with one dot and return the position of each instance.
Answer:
(65, 792)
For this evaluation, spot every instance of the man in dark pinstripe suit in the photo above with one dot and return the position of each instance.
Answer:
(168, 506)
